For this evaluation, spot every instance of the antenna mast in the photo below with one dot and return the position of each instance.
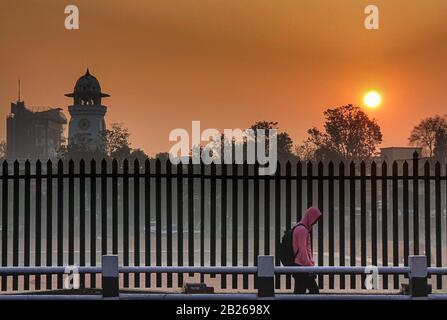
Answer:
(19, 90)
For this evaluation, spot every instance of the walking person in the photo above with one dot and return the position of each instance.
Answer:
(302, 247)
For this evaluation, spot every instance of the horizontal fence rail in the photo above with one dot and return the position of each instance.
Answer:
(153, 213)
(8, 271)
(417, 274)
(216, 270)
(341, 270)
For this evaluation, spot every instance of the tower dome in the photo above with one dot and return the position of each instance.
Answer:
(87, 83)
(87, 91)
(87, 112)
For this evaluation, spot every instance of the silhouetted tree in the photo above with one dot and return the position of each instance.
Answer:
(267, 126)
(284, 142)
(424, 134)
(82, 148)
(216, 149)
(305, 151)
(285, 147)
(163, 156)
(138, 154)
(115, 142)
(349, 134)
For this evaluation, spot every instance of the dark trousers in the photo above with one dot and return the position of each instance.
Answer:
(304, 282)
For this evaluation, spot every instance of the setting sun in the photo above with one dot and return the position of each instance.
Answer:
(372, 99)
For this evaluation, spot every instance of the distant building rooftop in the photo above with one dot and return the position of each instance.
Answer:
(391, 154)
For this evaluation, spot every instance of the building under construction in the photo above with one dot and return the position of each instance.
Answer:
(34, 133)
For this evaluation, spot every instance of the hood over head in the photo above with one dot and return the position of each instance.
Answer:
(311, 216)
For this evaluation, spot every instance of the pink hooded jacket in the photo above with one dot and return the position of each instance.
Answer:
(301, 238)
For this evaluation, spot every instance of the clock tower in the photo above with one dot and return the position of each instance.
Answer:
(87, 113)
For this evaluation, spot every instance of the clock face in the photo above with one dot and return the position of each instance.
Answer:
(84, 124)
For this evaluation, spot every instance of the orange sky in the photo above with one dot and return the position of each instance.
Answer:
(228, 63)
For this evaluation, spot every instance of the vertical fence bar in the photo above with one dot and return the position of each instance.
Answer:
(223, 227)
(60, 219)
(384, 222)
(15, 225)
(256, 224)
(352, 233)
(299, 191)
(309, 190)
(438, 222)
(126, 220)
(71, 209)
(158, 192)
(147, 220)
(266, 215)
(93, 220)
(406, 221)
(5, 201)
(104, 210)
(309, 179)
(445, 187)
(104, 207)
(445, 191)
(288, 209)
(341, 218)
(415, 203)
(213, 212)
(202, 220)
(395, 223)
(191, 215)
(27, 229)
(363, 218)
(49, 240)
(38, 226)
(180, 221)
(374, 213)
(169, 219)
(331, 221)
(136, 219)
(427, 223)
(82, 219)
(115, 207)
(234, 221)
(320, 223)
(245, 214)
(277, 221)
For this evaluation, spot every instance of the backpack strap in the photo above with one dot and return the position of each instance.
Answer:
(293, 229)
(300, 224)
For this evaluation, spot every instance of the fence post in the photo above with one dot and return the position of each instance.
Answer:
(110, 279)
(418, 276)
(266, 276)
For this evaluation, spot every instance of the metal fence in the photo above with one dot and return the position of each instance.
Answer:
(156, 213)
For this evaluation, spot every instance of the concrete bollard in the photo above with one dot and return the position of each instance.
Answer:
(266, 276)
(110, 276)
(418, 276)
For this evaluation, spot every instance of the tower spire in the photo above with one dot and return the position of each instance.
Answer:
(19, 91)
